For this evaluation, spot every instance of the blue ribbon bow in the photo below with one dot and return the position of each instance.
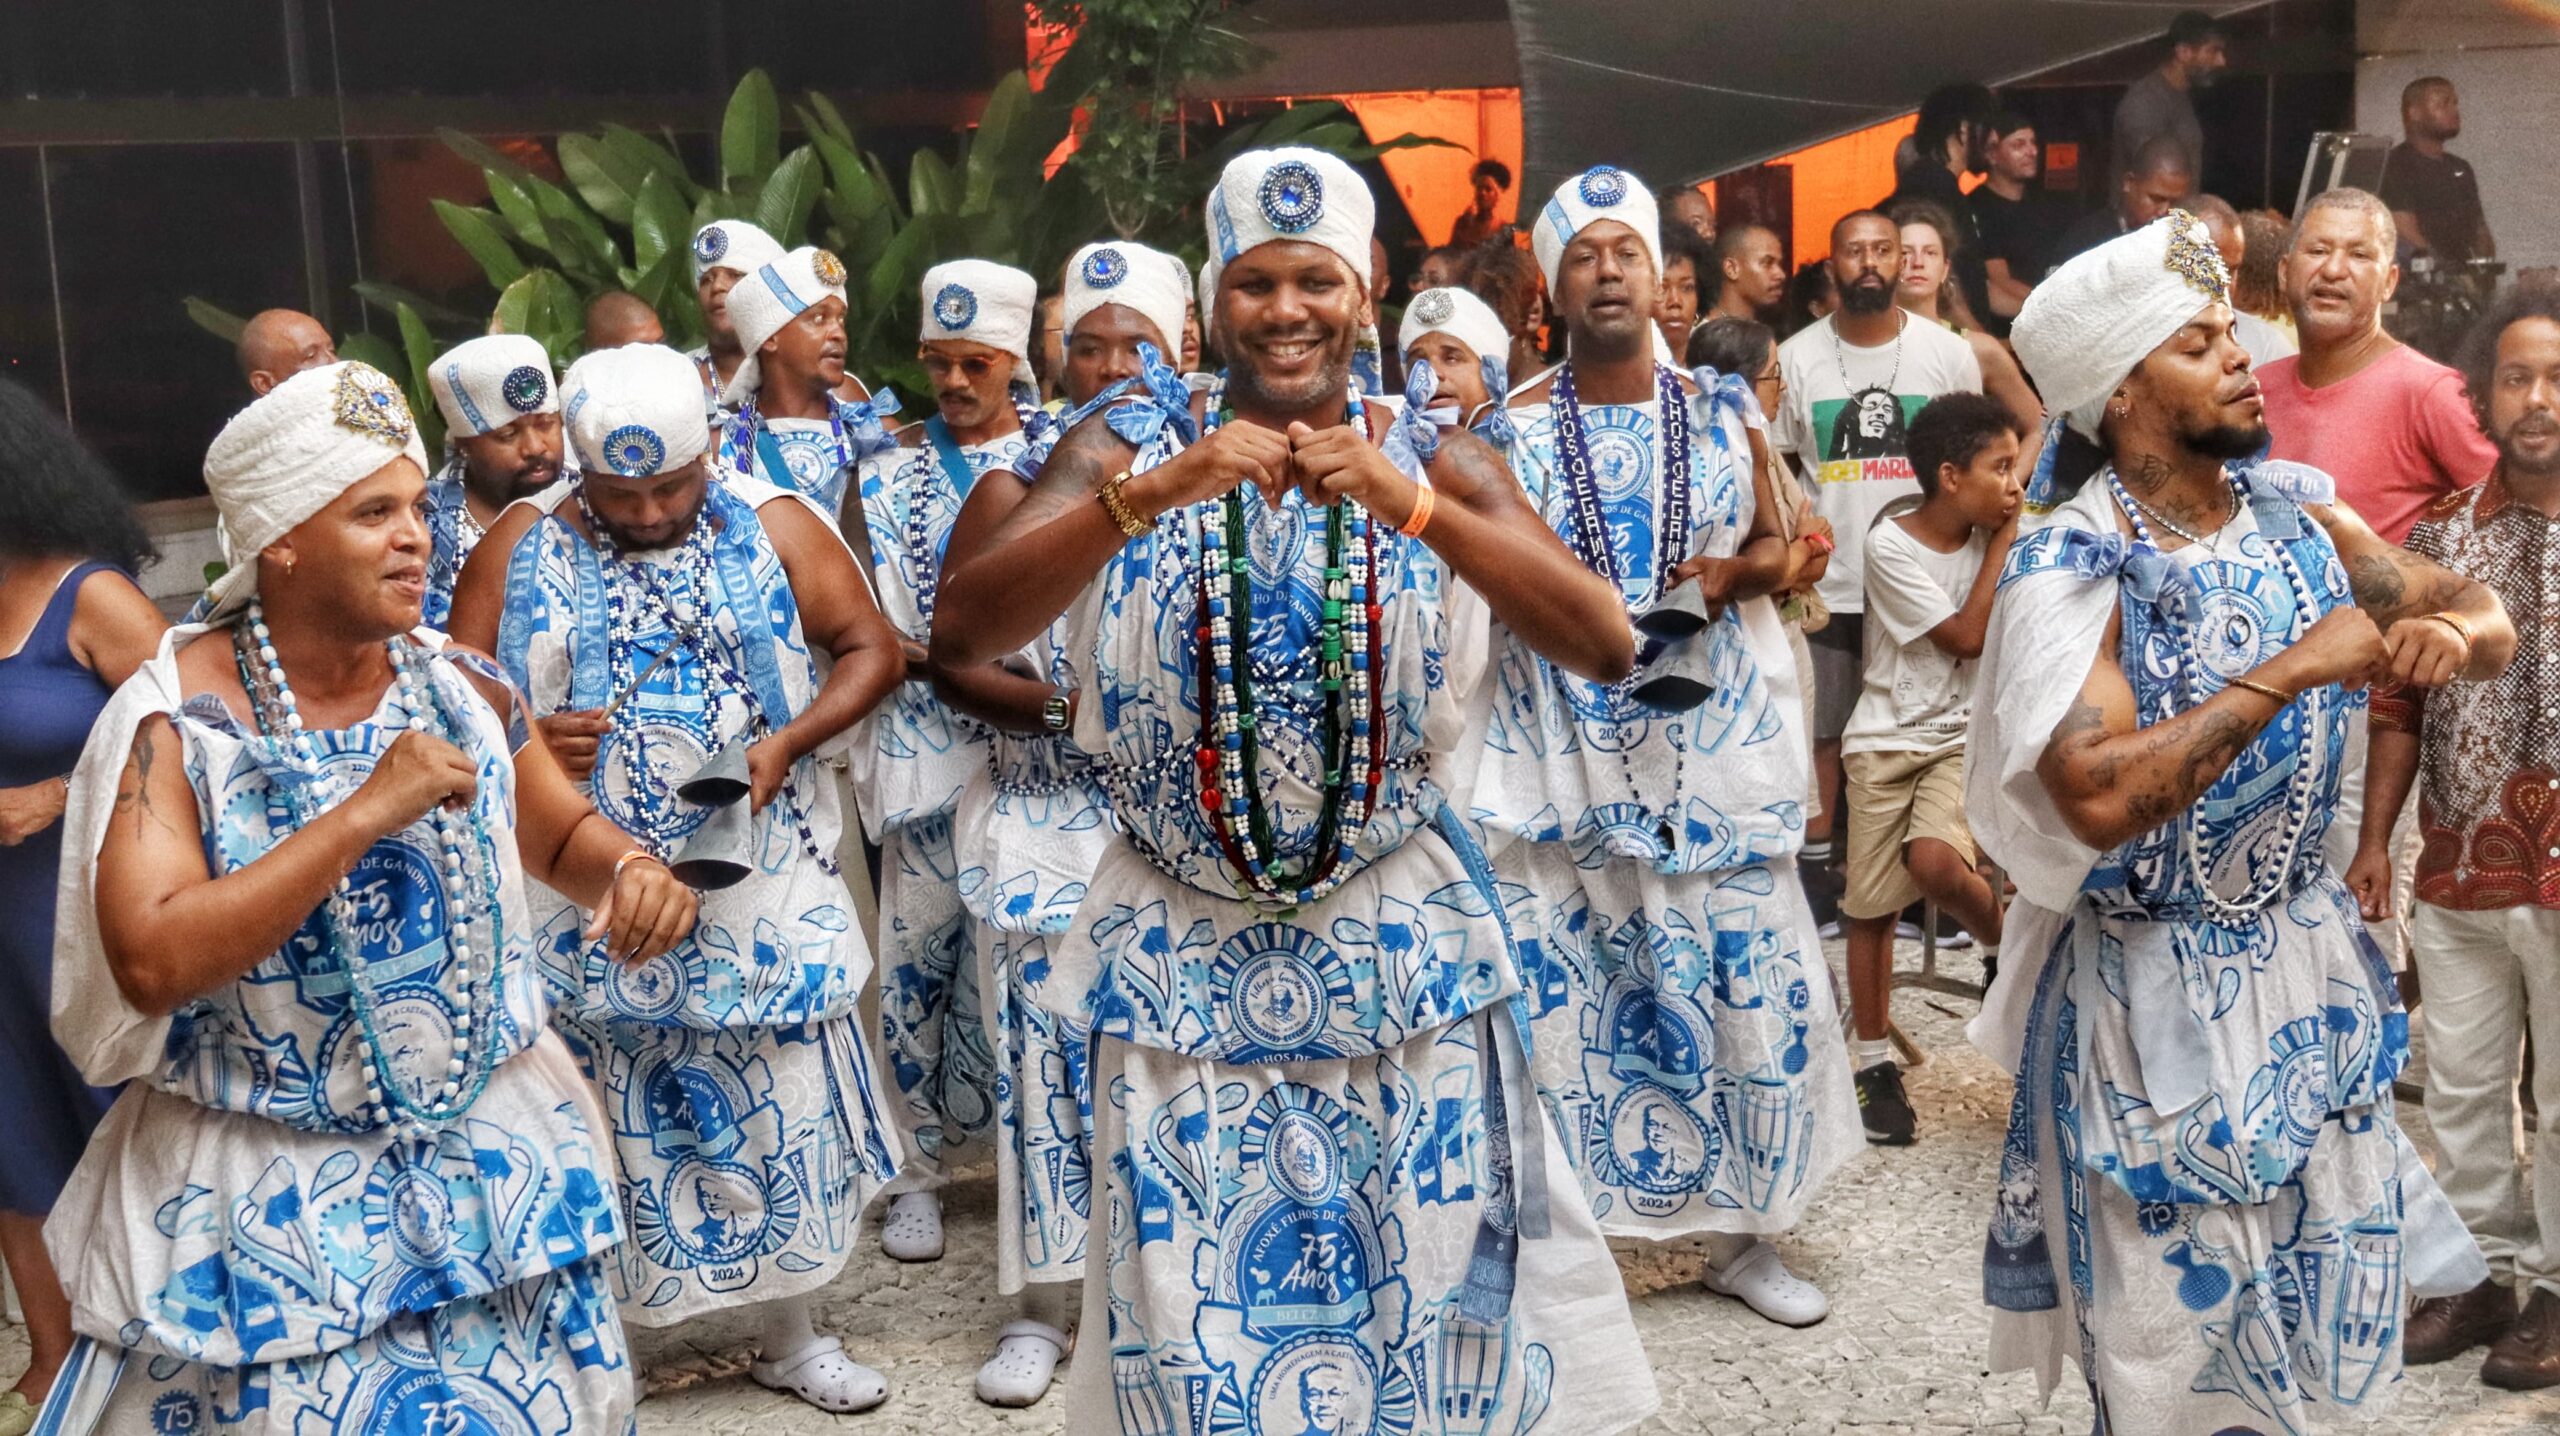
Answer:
(1416, 435)
(1155, 399)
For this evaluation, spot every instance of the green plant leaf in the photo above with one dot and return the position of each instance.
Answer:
(379, 352)
(579, 240)
(645, 154)
(388, 298)
(751, 131)
(819, 116)
(603, 179)
(476, 230)
(544, 305)
(792, 191)
(664, 288)
(991, 149)
(515, 204)
(660, 224)
(932, 189)
(484, 155)
(215, 320)
(419, 348)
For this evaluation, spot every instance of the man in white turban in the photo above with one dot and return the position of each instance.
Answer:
(1684, 1014)
(1318, 1160)
(1463, 341)
(724, 252)
(502, 427)
(353, 1180)
(672, 626)
(794, 429)
(913, 756)
(2203, 1195)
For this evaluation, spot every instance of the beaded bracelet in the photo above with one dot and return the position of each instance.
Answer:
(1118, 507)
(1420, 518)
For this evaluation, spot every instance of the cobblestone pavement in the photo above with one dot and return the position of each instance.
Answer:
(1896, 1242)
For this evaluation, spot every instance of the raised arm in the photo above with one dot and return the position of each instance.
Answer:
(837, 617)
(2436, 625)
(1482, 525)
(2113, 779)
(1961, 633)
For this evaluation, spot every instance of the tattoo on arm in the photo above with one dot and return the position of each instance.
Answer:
(2377, 583)
(1075, 471)
(2220, 741)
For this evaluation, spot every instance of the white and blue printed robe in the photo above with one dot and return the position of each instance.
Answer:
(733, 1066)
(244, 1245)
(1685, 1020)
(2204, 1197)
(1303, 1154)
(818, 456)
(910, 759)
(453, 533)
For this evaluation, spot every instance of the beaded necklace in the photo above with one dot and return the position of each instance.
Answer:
(622, 639)
(1229, 749)
(2267, 888)
(1591, 543)
(475, 1035)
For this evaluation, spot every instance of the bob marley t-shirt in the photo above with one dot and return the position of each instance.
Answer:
(1846, 416)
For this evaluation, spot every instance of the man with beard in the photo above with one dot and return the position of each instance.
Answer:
(2434, 197)
(724, 252)
(912, 757)
(1749, 268)
(689, 615)
(2013, 218)
(2487, 920)
(1029, 829)
(502, 424)
(1851, 381)
(1277, 631)
(353, 1182)
(1678, 988)
(2205, 1195)
(793, 428)
(2161, 105)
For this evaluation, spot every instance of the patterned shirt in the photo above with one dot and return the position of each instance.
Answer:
(2489, 753)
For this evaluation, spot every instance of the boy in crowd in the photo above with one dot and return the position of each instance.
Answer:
(1933, 564)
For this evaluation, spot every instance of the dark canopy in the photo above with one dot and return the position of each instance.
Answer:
(1684, 89)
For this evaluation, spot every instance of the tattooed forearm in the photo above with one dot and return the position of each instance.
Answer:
(2378, 586)
(2211, 751)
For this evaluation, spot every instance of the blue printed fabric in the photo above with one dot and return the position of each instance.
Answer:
(453, 532)
(732, 1067)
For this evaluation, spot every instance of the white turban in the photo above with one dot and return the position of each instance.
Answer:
(2087, 325)
(635, 411)
(291, 453)
(487, 383)
(1149, 282)
(772, 296)
(1458, 314)
(732, 244)
(1601, 192)
(1290, 193)
(982, 302)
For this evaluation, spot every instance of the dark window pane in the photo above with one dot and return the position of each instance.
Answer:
(27, 353)
(143, 49)
(505, 47)
(877, 45)
(139, 229)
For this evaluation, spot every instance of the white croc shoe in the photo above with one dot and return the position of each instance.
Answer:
(1025, 1361)
(822, 1375)
(913, 1231)
(1759, 1279)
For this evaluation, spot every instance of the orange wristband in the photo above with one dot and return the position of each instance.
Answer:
(1421, 516)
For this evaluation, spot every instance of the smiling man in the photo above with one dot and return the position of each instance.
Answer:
(2204, 1195)
(502, 422)
(1276, 634)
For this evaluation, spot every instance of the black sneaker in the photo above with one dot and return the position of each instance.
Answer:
(1886, 1110)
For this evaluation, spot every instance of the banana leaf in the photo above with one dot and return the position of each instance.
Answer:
(215, 320)
(789, 194)
(476, 230)
(751, 130)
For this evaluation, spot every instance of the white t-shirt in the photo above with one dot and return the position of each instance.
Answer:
(2265, 342)
(1846, 417)
(1917, 697)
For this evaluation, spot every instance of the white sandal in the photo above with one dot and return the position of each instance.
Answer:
(822, 1375)
(913, 1230)
(1025, 1361)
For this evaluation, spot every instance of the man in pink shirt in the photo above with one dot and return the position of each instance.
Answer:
(2388, 421)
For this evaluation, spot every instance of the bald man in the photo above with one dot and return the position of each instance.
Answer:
(277, 344)
(618, 317)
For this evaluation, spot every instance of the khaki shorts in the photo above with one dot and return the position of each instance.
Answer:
(1893, 799)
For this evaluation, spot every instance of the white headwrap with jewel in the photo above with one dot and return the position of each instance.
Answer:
(1289, 193)
(771, 297)
(1458, 314)
(732, 244)
(2088, 323)
(1601, 192)
(291, 453)
(485, 384)
(635, 412)
(1147, 281)
(983, 302)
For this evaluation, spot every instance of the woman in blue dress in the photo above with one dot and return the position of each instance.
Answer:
(353, 1181)
(74, 626)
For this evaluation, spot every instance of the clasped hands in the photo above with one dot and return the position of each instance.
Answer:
(1326, 464)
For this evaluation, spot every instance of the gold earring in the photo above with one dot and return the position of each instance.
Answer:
(288, 563)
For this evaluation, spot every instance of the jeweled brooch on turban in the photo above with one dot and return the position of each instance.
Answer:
(369, 403)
